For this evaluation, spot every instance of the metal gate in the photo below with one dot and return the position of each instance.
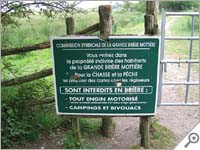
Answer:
(187, 83)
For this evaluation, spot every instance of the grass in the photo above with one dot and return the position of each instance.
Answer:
(89, 127)
(48, 120)
(29, 33)
(183, 26)
(39, 29)
(81, 20)
(126, 23)
(26, 63)
(160, 137)
(180, 48)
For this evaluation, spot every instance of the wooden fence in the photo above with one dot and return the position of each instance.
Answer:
(40, 46)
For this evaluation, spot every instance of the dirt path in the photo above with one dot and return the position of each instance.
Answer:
(169, 24)
(180, 120)
(126, 135)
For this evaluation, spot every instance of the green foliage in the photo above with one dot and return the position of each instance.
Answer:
(180, 49)
(39, 29)
(69, 141)
(90, 125)
(88, 146)
(161, 137)
(81, 20)
(11, 11)
(184, 25)
(134, 7)
(19, 121)
(47, 121)
(178, 5)
(129, 20)
(126, 22)
(196, 24)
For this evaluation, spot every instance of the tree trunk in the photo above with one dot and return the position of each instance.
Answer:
(105, 27)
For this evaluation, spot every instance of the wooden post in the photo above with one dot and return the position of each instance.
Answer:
(105, 20)
(151, 23)
(151, 28)
(70, 25)
(76, 131)
(144, 131)
(75, 121)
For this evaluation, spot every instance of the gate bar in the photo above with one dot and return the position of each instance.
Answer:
(180, 61)
(182, 38)
(182, 13)
(181, 104)
(189, 64)
(181, 83)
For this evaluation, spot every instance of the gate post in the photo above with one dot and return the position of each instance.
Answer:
(75, 121)
(105, 21)
(151, 28)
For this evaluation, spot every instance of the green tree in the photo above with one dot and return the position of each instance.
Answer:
(178, 6)
(11, 11)
(134, 7)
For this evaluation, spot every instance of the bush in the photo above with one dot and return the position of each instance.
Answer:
(47, 121)
(19, 121)
(18, 124)
(69, 141)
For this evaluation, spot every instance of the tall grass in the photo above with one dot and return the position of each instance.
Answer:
(183, 26)
(85, 20)
(127, 23)
(39, 29)
(180, 48)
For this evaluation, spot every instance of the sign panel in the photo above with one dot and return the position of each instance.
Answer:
(117, 77)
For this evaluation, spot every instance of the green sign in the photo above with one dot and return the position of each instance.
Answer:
(117, 77)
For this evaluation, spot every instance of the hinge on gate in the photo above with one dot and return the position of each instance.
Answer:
(179, 63)
(165, 67)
